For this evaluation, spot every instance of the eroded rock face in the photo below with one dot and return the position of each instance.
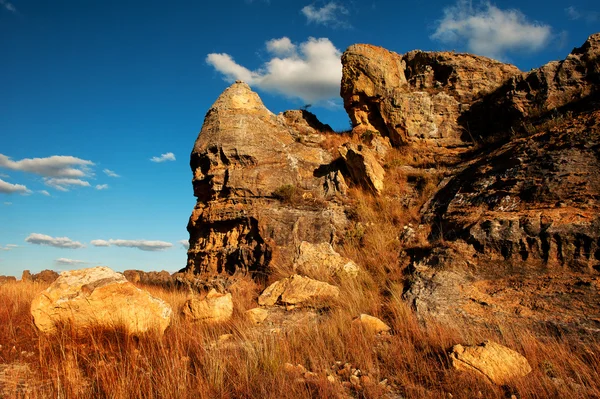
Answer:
(242, 157)
(99, 297)
(416, 96)
(521, 228)
(512, 234)
(299, 291)
(538, 92)
(493, 361)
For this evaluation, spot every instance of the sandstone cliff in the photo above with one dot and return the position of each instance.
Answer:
(418, 96)
(262, 181)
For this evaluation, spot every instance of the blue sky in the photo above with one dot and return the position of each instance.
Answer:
(101, 101)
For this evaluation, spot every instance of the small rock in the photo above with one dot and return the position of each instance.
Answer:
(371, 324)
(257, 315)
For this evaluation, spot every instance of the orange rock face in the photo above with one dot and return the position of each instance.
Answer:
(243, 159)
(419, 96)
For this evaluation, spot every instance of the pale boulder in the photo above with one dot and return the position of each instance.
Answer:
(101, 297)
(214, 307)
(371, 324)
(298, 290)
(497, 363)
(257, 315)
(318, 259)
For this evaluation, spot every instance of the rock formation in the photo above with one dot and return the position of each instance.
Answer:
(418, 96)
(510, 234)
(520, 224)
(243, 158)
(98, 297)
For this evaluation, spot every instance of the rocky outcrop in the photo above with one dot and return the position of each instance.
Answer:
(515, 231)
(419, 96)
(520, 228)
(493, 361)
(540, 92)
(98, 297)
(214, 307)
(243, 158)
(299, 291)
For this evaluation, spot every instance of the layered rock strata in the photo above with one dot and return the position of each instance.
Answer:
(261, 181)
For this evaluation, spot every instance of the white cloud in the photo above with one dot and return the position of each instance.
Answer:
(62, 184)
(490, 31)
(144, 245)
(101, 186)
(110, 173)
(8, 247)
(312, 71)
(8, 188)
(54, 166)
(281, 47)
(8, 5)
(58, 242)
(8, 203)
(44, 192)
(70, 262)
(169, 156)
(185, 243)
(331, 14)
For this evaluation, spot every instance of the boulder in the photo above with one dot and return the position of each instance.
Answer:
(214, 307)
(363, 166)
(257, 315)
(299, 291)
(260, 180)
(371, 324)
(316, 260)
(98, 297)
(493, 361)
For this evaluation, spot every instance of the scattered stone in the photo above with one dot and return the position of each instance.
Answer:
(497, 363)
(98, 296)
(298, 290)
(316, 260)
(371, 324)
(214, 307)
(257, 315)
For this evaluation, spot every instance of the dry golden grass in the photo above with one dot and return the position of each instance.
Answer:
(188, 363)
